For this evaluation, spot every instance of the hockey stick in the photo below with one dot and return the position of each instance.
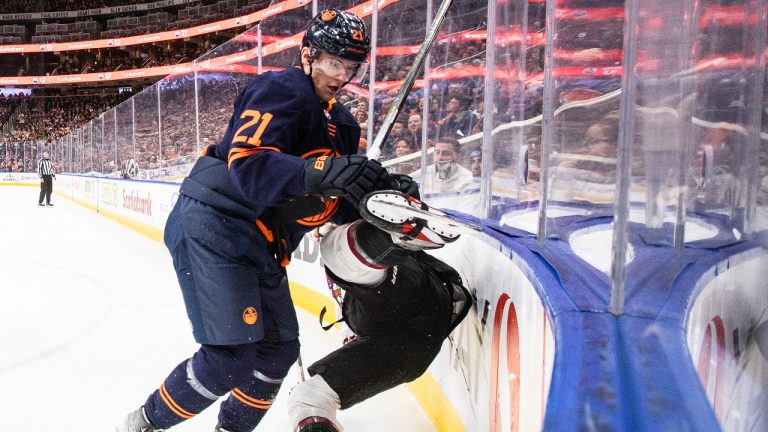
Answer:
(386, 127)
(300, 362)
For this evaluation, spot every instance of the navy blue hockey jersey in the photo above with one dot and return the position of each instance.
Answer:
(277, 123)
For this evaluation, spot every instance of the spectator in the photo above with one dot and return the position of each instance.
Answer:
(459, 121)
(403, 147)
(388, 146)
(475, 163)
(413, 134)
(445, 174)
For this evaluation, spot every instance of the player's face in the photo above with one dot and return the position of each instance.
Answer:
(330, 73)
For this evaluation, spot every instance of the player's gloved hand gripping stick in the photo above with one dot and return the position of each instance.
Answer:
(349, 176)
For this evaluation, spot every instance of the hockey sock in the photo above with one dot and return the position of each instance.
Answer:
(248, 403)
(313, 398)
(179, 398)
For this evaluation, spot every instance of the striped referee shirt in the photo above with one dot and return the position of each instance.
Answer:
(45, 167)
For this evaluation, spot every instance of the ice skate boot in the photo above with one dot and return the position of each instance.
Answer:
(137, 422)
(412, 224)
(316, 424)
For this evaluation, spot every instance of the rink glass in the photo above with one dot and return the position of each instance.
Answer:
(558, 138)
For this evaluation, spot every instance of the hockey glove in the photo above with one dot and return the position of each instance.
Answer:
(405, 184)
(347, 176)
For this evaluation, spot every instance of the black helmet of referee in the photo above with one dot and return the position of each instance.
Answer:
(338, 33)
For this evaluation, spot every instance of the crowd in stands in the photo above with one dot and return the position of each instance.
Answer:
(18, 156)
(24, 6)
(586, 137)
(123, 25)
(47, 118)
(7, 106)
(113, 60)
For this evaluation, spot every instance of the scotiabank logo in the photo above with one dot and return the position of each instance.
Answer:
(712, 353)
(505, 377)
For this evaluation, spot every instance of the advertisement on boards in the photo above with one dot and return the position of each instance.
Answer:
(727, 334)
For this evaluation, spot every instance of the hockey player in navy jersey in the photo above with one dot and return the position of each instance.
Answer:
(400, 302)
(286, 165)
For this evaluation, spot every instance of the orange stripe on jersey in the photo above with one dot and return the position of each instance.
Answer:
(204, 150)
(179, 411)
(329, 104)
(319, 219)
(319, 152)
(251, 402)
(266, 232)
(241, 152)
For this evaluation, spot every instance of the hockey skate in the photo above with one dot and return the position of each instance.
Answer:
(412, 224)
(137, 422)
(316, 424)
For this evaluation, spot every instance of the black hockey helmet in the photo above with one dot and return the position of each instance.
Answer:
(338, 33)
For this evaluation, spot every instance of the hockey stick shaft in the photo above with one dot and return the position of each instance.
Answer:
(386, 127)
(301, 367)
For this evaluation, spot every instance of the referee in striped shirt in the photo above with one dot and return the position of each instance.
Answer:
(47, 175)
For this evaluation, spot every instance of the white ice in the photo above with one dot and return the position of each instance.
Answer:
(92, 321)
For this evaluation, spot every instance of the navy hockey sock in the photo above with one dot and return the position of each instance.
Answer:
(247, 404)
(249, 401)
(179, 398)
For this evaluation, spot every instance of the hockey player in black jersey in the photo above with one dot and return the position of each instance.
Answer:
(286, 164)
(399, 301)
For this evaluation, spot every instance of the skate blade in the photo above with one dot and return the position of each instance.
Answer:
(406, 211)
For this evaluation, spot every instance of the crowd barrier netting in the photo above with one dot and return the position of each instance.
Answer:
(616, 158)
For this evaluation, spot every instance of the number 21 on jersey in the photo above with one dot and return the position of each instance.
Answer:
(256, 118)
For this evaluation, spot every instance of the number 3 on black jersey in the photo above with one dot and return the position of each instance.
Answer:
(255, 118)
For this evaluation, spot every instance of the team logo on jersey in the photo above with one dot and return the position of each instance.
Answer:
(250, 315)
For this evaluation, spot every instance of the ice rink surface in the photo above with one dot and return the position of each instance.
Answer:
(92, 321)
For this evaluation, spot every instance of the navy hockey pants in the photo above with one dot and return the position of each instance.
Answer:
(237, 299)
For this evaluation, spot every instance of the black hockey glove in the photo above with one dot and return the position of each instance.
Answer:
(405, 184)
(349, 176)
